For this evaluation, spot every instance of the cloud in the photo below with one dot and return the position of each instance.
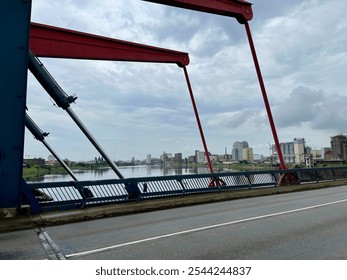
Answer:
(245, 118)
(302, 105)
(297, 49)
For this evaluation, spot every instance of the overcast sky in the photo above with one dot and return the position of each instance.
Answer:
(135, 109)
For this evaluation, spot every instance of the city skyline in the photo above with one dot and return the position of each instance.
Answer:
(137, 108)
(193, 153)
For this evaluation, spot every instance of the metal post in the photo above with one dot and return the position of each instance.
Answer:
(15, 21)
(263, 91)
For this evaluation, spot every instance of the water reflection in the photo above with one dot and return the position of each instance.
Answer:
(127, 171)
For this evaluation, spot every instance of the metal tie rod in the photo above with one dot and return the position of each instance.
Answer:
(40, 136)
(93, 141)
(63, 101)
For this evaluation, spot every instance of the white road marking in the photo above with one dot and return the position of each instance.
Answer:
(90, 252)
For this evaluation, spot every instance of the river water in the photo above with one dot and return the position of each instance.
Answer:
(127, 172)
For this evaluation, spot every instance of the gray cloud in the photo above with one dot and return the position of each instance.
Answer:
(313, 107)
(302, 105)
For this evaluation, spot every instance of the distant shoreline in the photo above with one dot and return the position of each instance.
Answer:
(35, 172)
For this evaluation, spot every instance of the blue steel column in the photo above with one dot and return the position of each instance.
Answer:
(14, 22)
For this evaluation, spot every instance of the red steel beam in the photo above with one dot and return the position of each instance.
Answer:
(266, 101)
(239, 9)
(51, 41)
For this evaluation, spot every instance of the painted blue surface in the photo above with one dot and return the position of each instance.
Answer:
(15, 21)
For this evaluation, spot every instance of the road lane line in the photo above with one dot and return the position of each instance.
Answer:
(90, 252)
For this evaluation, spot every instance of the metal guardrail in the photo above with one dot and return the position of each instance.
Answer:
(78, 194)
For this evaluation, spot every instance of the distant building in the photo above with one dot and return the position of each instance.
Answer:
(247, 154)
(214, 158)
(178, 158)
(339, 147)
(34, 161)
(326, 153)
(287, 149)
(200, 157)
(52, 161)
(149, 159)
(258, 157)
(237, 152)
(191, 159)
(293, 152)
(300, 150)
(155, 161)
(328, 156)
(152, 160)
(317, 156)
(50, 157)
(166, 157)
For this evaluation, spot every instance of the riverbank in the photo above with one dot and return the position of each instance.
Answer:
(36, 172)
(33, 173)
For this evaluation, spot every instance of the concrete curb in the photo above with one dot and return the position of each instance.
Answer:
(22, 222)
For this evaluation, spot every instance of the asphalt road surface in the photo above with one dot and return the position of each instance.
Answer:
(295, 226)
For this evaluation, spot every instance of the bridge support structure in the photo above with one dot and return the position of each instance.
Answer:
(15, 19)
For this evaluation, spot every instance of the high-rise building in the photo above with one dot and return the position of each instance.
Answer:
(200, 156)
(237, 152)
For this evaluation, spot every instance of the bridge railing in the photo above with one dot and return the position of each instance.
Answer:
(78, 194)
